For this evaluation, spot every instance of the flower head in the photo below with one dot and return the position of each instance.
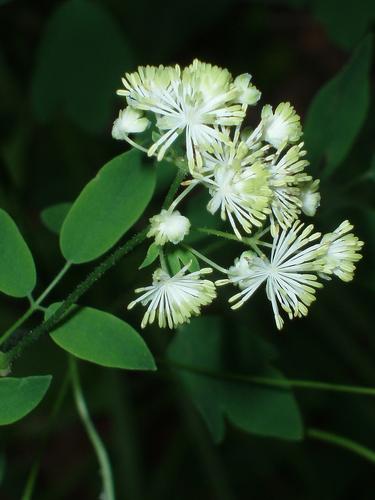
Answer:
(286, 169)
(196, 100)
(282, 126)
(341, 251)
(129, 121)
(289, 274)
(174, 299)
(169, 227)
(238, 184)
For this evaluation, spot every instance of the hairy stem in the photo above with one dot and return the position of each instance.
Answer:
(78, 292)
(14, 351)
(101, 452)
(35, 305)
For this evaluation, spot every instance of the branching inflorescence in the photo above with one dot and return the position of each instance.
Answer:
(256, 180)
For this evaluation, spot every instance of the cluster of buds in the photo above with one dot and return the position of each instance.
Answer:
(257, 182)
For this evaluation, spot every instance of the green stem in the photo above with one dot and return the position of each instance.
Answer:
(215, 232)
(180, 175)
(91, 278)
(33, 475)
(17, 324)
(29, 488)
(35, 304)
(53, 283)
(342, 442)
(101, 452)
(206, 259)
(182, 195)
(274, 382)
(77, 293)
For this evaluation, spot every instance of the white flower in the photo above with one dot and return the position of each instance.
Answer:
(174, 299)
(286, 169)
(247, 93)
(342, 250)
(196, 100)
(289, 275)
(238, 184)
(282, 126)
(169, 227)
(129, 121)
(310, 197)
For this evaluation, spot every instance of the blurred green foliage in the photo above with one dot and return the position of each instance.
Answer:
(60, 65)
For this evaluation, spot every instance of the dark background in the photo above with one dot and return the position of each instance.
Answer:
(55, 135)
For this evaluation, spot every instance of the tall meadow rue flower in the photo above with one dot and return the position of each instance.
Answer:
(238, 185)
(289, 274)
(195, 100)
(174, 299)
(341, 251)
(282, 126)
(310, 197)
(286, 174)
(169, 227)
(129, 121)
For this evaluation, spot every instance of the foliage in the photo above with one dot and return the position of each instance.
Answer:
(224, 398)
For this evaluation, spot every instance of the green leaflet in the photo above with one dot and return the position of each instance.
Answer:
(151, 256)
(19, 396)
(338, 111)
(107, 207)
(54, 216)
(179, 257)
(265, 411)
(17, 268)
(80, 61)
(101, 338)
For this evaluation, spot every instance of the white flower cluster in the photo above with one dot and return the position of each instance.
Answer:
(256, 180)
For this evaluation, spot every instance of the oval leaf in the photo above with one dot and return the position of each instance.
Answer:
(262, 410)
(19, 396)
(341, 105)
(54, 216)
(80, 60)
(17, 268)
(101, 338)
(107, 207)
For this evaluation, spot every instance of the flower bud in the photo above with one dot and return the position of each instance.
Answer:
(129, 121)
(169, 227)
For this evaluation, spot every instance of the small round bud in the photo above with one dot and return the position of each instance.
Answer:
(129, 121)
(169, 227)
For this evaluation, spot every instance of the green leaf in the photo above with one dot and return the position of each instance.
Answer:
(151, 256)
(345, 22)
(19, 396)
(338, 111)
(17, 268)
(180, 257)
(101, 338)
(54, 216)
(107, 207)
(261, 410)
(80, 61)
